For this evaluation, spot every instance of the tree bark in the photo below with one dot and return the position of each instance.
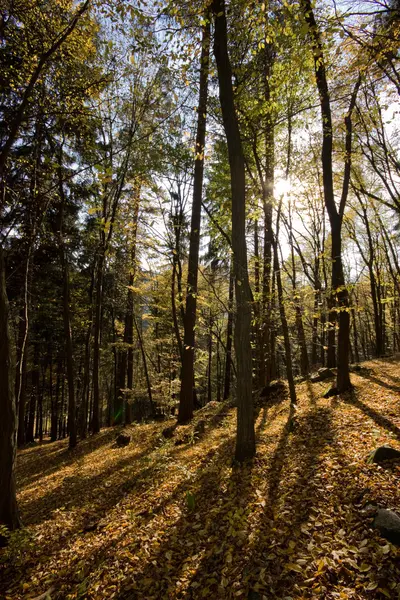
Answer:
(187, 373)
(96, 344)
(67, 312)
(282, 312)
(339, 289)
(245, 434)
(8, 503)
(229, 332)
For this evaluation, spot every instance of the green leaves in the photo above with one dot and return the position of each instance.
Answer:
(190, 501)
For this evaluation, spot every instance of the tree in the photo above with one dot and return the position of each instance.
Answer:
(187, 374)
(8, 503)
(245, 436)
(339, 289)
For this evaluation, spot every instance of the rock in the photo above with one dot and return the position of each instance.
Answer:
(383, 453)
(274, 389)
(333, 391)
(168, 432)
(388, 524)
(355, 368)
(122, 439)
(369, 511)
(322, 374)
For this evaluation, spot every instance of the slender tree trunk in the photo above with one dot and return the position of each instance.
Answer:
(282, 312)
(259, 370)
(187, 373)
(209, 367)
(145, 367)
(34, 394)
(339, 288)
(355, 335)
(304, 362)
(20, 380)
(245, 436)
(84, 408)
(174, 311)
(96, 344)
(229, 332)
(8, 503)
(55, 406)
(67, 313)
(129, 341)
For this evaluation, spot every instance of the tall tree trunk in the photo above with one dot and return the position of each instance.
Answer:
(209, 367)
(67, 312)
(282, 312)
(129, 341)
(96, 344)
(229, 332)
(245, 435)
(20, 379)
(355, 335)
(187, 373)
(145, 367)
(55, 405)
(304, 362)
(34, 394)
(339, 288)
(84, 411)
(258, 358)
(8, 503)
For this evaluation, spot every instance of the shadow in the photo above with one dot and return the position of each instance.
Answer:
(263, 420)
(47, 458)
(201, 535)
(99, 492)
(292, 495)
(197, 550)
(384, 384)
(384, 372)
(203, 488)
(351, 398)
(311, 393)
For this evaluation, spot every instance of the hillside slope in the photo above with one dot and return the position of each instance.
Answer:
(160, 520)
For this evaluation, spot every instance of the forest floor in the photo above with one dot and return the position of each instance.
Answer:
(155, 520)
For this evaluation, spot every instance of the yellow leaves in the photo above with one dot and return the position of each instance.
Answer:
(315, 540)
(294, 567)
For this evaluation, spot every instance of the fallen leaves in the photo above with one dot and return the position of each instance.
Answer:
(159, 521)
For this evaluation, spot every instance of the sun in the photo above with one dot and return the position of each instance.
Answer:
(282, 187)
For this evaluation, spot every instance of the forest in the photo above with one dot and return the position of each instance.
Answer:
(199, 299)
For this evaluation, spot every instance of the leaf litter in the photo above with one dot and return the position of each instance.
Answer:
(156, 520)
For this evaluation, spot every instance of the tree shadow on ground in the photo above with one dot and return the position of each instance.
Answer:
(311, 392)
(42, 460)
(294, 490)
(199, 547)
(204, 488)
(202, 530)
(101, 493)
(351, 398)
(196, 485)
(78, 491)
(380, 382)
